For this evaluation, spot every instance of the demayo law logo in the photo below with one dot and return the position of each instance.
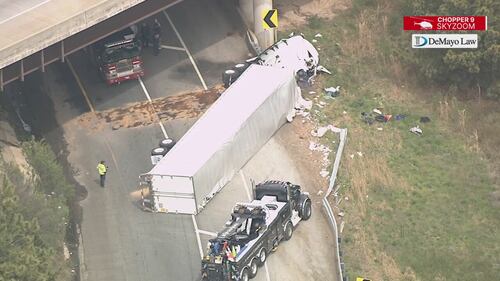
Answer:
(444, 41)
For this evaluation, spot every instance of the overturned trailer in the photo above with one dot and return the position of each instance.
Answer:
(230, 132)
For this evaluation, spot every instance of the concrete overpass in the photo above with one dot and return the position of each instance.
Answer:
(35, 33)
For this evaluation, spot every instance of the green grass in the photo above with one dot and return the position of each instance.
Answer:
(420, 207)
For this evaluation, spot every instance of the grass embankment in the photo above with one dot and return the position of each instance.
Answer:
(419, 207)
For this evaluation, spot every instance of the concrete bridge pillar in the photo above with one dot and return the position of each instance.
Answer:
(251, 11)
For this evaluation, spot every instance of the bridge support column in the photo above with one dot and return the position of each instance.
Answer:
(251, 11)
(265, 36)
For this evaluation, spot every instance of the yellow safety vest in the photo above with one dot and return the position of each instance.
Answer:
(101, 168)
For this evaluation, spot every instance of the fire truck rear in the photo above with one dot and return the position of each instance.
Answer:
(119, 57)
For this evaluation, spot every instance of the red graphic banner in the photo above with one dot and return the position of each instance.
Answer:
(445, 23)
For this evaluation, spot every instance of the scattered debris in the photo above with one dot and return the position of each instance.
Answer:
(360, 153)
(341, 214)
(380, 128)
(344, 112)
(376, 110)
(312, 92)
(321, 131)
(320, 192)
(399, 117)
(416, 130)
(324, 173)
(333, 91)
(186, 105)
(318, 35)
(425, 119)
(352, 156)
(367, 118)
(323, 69)
(314, 41)
(380, 118)
(322, 103)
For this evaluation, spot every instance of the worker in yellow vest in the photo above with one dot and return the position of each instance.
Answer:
(102, 169)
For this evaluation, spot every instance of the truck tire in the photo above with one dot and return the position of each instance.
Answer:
(240, 68)
(167, 143)
(305, 210)
(228, 77)
(254, 267)
(262, 256)
(159, 151)
(287, 231)
(244, 275)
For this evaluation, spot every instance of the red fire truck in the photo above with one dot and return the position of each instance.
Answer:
(119, 57)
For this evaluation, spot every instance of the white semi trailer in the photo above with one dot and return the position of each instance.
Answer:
(225, 137)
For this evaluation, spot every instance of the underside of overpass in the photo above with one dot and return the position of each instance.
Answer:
(86, 37)
(20, 56)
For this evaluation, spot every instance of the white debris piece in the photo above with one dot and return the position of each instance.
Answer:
(352, 156)
(321, 68)
(318, 35)
(332, 91)
(360, 153)
(314, 41)
(322, 103)
(303, 104)
(320, 192)
(380, 128)
(321, 131)
(416, 130)
(377, 111)
(344, 112)
(312, 92)
(324, 173)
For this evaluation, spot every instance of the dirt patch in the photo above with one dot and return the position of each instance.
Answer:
(294, 13)
(182, 106)
(296, 138)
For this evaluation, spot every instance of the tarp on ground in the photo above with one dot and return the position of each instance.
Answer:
(228, 134)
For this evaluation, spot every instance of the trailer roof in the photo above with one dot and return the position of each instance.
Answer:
(220, 123)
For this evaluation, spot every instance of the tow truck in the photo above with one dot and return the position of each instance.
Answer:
(254, 230)
(119, 57)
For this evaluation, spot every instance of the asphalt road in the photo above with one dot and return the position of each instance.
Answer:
(120, 242)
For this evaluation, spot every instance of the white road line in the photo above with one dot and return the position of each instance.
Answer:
(247, 189)
(187, 50)
(144, 89)
(245, 185)
(163, 130)
(196, 230)
(24, 11)
(151, 102)
(80, 85)
(209, 233)
(173, 48)
(267, 272)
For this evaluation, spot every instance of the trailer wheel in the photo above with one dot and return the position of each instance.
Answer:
(159, 151)
(244, 276)
(288, 230)
(306, 210)
(254, 266)
(167, 143)
(262, 256)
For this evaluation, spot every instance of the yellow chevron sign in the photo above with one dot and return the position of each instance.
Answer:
(270, 19)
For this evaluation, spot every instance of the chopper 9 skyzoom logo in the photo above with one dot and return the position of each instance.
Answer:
(445, 23)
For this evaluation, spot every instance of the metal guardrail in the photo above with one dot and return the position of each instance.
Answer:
(343, 137)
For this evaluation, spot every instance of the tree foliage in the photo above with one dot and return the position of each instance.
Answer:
(23, 255)
(33, 217)
(466, 68)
